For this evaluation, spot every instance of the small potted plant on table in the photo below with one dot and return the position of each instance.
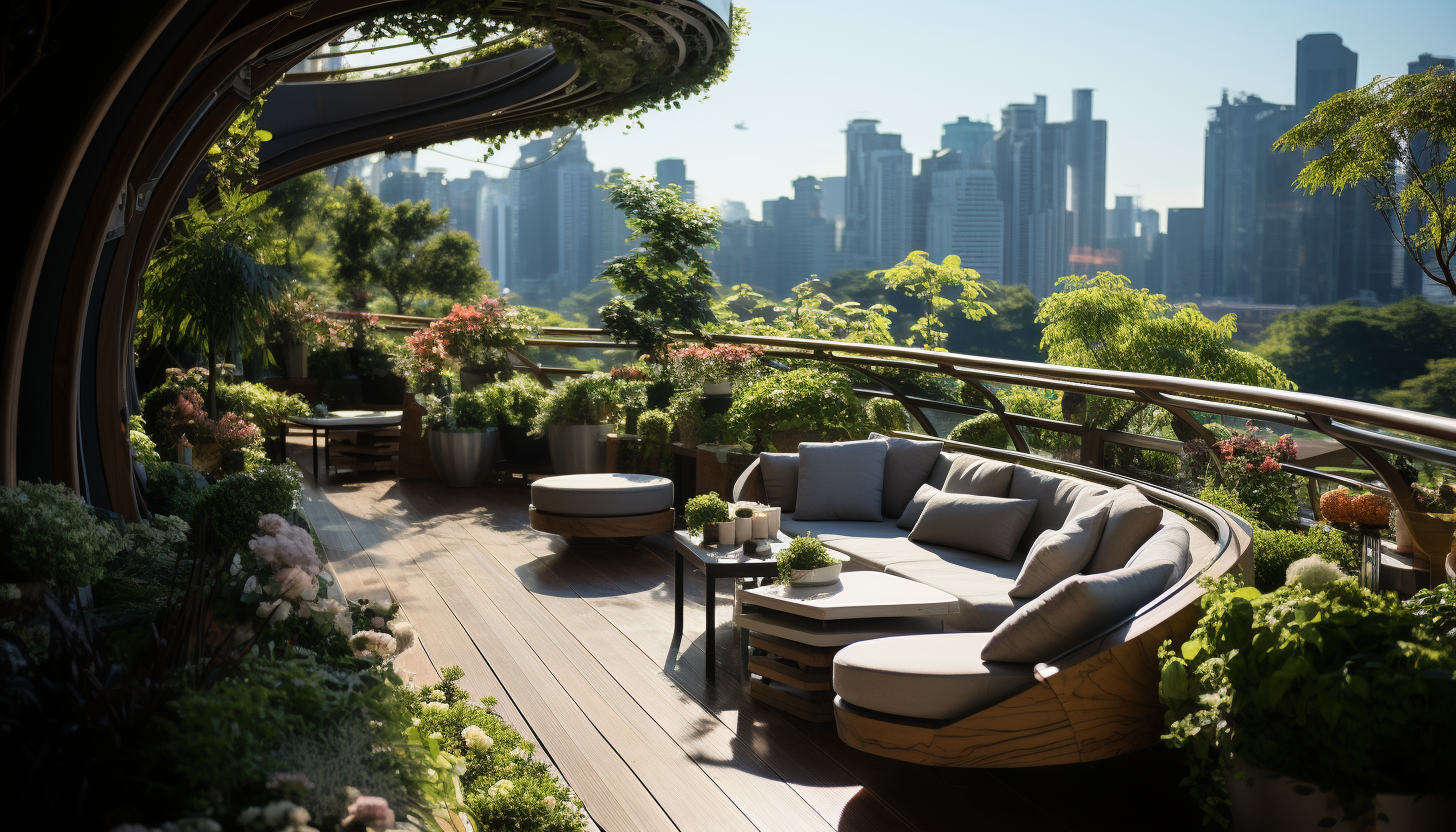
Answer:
(805, 562)
(707, 514)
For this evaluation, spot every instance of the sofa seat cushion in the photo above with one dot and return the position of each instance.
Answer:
(1054, 497)
(936, 676)
(841, 480)
(602, 495)
(827, 530)
(986, 525)
(881, 553)
(982, 585)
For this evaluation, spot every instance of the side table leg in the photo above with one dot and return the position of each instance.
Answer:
(315, 457)
(677, 593)
(710, 599)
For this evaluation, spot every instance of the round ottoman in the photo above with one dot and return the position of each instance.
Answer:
(602, 505)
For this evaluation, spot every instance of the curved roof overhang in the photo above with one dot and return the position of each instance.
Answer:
(113, 117)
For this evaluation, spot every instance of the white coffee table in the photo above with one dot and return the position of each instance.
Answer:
(799, 629)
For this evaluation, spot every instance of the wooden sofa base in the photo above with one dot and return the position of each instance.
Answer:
(1104, 705)
(635, 525)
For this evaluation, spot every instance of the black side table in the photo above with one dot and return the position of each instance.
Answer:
(714, 562)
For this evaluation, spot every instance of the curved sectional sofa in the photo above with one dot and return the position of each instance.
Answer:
(1033, 669)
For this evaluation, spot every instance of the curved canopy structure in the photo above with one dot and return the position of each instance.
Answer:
(112, 113)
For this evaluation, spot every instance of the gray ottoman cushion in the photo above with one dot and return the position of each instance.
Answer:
(602, 495)
(936, 676)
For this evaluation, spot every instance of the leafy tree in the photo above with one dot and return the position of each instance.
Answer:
(301, 207)
(405, 229)
(808, 313)
(924, 280)
(1365, 136)
(206, 285)
(1012, 333)
(1353, 352)
(666, 284)
(358, 229)
(1434, 392)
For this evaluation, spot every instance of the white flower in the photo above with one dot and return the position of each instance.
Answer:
(476, 738)
(500, 788)
(252, 585)
(275, 610)
(436, 706)
(437, 695)
(237, 566)
(550, 803)
(520, 753)
(277, 812)
(415, 721)
(1312, 572)
(436, 735)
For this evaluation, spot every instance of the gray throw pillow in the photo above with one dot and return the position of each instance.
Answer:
(907, 463)
(941, 470)
(916, 506)
(1059, 554)
(780, 479)
(985, 525)
(1072, 613)
(1168, 549)
(841, 480)
(1055, 496)
(977, 475)
(1131, 520)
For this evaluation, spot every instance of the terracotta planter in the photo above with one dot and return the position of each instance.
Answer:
(1267, 802)
(462, 458)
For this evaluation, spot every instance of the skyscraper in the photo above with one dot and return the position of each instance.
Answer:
(1031, 182)
(462, 197)
(877, 195)
(608, 224)
(1086, 176)
(493, 229)
(552, 200)
(964, 217)
(972, 139)
(1323, 66)
(577, 196)
(675, 172)
(1182, 260)
(921, 188)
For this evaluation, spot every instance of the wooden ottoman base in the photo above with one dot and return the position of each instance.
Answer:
(792, 677)
(635, 525)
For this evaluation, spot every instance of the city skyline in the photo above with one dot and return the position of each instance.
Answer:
(1154, 152)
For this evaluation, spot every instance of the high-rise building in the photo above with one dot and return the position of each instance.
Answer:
(1323, 66)
(608, 224)
(577, 197)
(1031, 182)
(493, 229)
(675, 172)
(940, 160)
(964, 217)
(733, 211)
(877, 195)
(462, 197)
(972, 139)
(1086, 139)
(1130, 235)
(434, 188)
(402, 185)
(1182, 260)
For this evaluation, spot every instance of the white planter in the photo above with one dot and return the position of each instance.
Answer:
(816, 577)
(1268, 802)
(463, 459)
(742, 528)
(727, 533)
(578, 449)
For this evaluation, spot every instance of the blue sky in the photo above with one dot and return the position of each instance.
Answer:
(809, 66)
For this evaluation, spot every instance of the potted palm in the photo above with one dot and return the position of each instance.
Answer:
(462, 431)
(573, 418)
(1320, 705)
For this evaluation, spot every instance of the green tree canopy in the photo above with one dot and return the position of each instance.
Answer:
(1433, 392)
(925, 280)
(1394, 135)
(666, 284)
(358, 229)
(1352, 351)
(301, 210)
(1013, 332)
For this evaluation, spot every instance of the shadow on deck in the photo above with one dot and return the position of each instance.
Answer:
(576, 644)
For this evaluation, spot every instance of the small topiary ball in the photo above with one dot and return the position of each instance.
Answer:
(1312, 572)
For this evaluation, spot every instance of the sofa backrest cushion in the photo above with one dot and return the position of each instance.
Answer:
(780, 480)
(1073, 612)
(1054, 497)
(985, 525)
(907, 465)
(1169, 550)
(1060, 553)
(841, 480)
(916, 506)
(1131, 520)
(941, 469)
(976, 475)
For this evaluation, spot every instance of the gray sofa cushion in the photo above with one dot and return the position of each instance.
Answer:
(1059, 554)
(827, 530)
(979, 582)
(985, 525)
(602, 495)
(941, 469)
(937, 676)
(974, 475)
(916, 506)
(841, 480)
(1168, 549)
(883, 552)
(780, 479)
(1054, 497)
(1131, 520)
(907, 463)
(1073, 612)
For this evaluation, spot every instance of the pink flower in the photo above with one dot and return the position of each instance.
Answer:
(1269, 465)
(377, 623)
(1248, 466)
(372, 812)
(295, 583)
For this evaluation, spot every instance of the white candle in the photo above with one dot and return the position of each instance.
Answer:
(760, 525)
(774, 514)
(726, 533)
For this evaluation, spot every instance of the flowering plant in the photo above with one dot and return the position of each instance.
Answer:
(188, 418)
(48, 534)
(1249, 465)
(282, 577)
(473, 338)
(299, 318)
(693, 365)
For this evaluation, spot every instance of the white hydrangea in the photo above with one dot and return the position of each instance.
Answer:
(1312, 572)
(476, 738)
(404, 633)
(436, 706)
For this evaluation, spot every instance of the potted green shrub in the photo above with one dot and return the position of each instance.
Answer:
(47, 535)
(573, 418)
(523, 398)
(462, 433)
(1321, 705)
(805, 562)
(705, 514)
(807, 405)
(714, 369)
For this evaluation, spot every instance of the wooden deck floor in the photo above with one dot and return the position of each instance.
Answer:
(576, 644)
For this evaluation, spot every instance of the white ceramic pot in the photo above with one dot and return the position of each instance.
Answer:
(727, 533)
(742, 528)
(1266, 802)
(760, 525)
(816, 577)
(774, 515)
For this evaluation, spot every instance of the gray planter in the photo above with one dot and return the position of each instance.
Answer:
(463, 459)
(578, 449)
(1266, 802)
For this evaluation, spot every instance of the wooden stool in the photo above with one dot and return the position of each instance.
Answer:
(602, 505)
